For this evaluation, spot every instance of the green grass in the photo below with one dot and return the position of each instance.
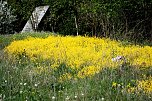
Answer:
(7, 39)
(18, 82)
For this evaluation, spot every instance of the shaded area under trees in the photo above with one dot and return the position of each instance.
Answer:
(128, 19)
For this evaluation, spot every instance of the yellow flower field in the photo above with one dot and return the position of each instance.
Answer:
(84, 54)
(145, 85)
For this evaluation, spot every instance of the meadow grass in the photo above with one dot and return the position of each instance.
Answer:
(23, 79)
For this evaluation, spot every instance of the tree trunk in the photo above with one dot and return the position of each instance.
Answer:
(76, 25)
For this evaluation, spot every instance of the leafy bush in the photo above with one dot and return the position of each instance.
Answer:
(6, 18)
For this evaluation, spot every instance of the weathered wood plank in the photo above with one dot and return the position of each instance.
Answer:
(35, 19)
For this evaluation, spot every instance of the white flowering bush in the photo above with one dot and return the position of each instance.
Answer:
(6, 18)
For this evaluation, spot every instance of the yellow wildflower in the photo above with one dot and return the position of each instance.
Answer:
(76, 52)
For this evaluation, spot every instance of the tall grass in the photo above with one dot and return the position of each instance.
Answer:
(35, 80)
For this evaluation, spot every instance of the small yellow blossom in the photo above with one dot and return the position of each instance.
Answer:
(88, 71)
(66, 76)
(131, 89)
(114, 84)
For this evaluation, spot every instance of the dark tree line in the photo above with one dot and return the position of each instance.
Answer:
(109, 18)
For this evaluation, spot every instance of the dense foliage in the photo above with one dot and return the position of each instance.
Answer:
(113, 18)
